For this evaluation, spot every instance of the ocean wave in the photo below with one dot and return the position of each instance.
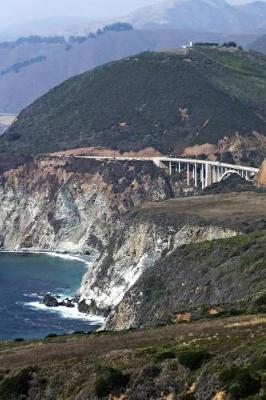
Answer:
(66, 313)
(66, 256)
(32, 295)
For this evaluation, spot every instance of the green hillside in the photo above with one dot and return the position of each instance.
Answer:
(168, 100)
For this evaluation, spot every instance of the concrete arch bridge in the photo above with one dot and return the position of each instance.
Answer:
(199, 173)
(204, 173)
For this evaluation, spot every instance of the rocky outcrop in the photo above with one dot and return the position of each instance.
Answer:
(50, 301)
(237, 149)
(134, 248)
(73, 205)
(261, 178)
(91, 308)
(196, 281)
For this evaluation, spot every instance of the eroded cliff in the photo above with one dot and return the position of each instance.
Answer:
(119, 215)
(72, 205)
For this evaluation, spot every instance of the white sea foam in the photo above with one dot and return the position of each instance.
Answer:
(65, 312)
(66, 256)
(32, 295)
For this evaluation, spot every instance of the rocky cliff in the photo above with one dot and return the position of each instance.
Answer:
(135, 248)
(83, 206)
(72, 205)
(215, 278)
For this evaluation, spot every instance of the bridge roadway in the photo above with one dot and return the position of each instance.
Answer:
(198, 172)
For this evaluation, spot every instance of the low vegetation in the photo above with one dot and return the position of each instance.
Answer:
(180, 361)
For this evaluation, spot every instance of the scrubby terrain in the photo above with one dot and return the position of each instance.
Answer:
(217, 359)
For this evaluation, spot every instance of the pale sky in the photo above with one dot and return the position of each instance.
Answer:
(18, 11)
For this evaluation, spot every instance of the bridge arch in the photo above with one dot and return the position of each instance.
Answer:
(226, 174)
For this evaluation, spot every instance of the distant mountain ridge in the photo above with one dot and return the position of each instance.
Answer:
(194, 15)
(207, 15)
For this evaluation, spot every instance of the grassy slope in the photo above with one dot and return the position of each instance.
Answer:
(229, 274)
(146, 92)
(242, 77)
(145, 364)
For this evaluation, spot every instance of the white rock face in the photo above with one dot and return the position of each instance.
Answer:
(61, 206)
(133, 250)
(30, 220)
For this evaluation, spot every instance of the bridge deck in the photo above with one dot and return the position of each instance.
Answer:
(176, 160)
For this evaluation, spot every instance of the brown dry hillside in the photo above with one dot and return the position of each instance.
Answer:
(180, 361)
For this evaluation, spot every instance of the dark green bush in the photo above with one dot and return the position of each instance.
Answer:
(151, 371)
(187, 396)
(19, 340)
(17, 385)
(193, 359)
(166, 355)
(51, 336)
(241, 381)
(108, 380)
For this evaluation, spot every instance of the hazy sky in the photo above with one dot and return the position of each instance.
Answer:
(16, 11)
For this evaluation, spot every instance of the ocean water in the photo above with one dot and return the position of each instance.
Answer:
(23, 277)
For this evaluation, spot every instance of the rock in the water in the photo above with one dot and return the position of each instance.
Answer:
(261, 178)
(92, 308)
(50, 301)
(67, 303)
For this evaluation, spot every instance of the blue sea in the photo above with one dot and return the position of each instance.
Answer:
(23, 277)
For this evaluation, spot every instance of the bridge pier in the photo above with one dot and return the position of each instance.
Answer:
(188, 175)
(202, 172)
(208, 175)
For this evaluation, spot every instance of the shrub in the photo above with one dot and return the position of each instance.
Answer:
(51, 336)
(151, 371)
(108, 380)
(187, 396)
(166, 355)
(193, 359)
(240, 381)
(19, 340)
(17, 385)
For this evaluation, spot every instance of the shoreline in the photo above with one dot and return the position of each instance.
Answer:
(67, 256)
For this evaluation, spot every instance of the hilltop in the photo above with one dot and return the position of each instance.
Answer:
(30, 66)
(171, 101)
